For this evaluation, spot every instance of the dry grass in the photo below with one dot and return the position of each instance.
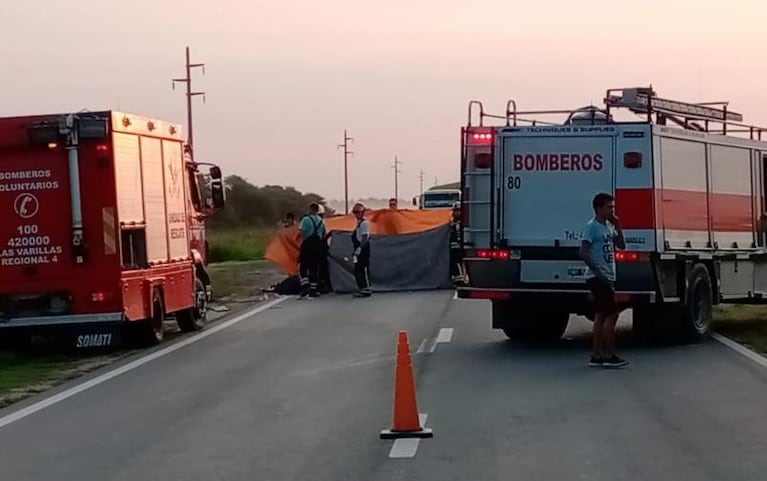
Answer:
(744, 324)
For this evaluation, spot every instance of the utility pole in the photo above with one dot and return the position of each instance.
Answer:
(189, 94)
(421, 177)
(347, 153)
(436, 181)
(397, 163)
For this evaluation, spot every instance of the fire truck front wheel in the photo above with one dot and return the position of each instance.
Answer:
(152, 328)
(193, 319)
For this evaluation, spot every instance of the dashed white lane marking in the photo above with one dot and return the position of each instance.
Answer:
(407, 447)
(445, 334)
(740, 349)
(429, 344)
(50, 401)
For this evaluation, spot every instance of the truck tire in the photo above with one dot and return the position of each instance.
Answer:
(193, 319)
(536, 325)
(153, 332)
(685, 322)
(697, 312)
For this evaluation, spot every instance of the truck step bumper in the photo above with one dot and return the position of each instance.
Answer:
(574, 295)
(44, 321)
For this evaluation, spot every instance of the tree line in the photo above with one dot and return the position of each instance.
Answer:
(248, 205)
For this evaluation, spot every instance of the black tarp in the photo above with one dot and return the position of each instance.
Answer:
(402, 262)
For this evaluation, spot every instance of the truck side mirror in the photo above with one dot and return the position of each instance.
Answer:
(217, 191)
(217, 195)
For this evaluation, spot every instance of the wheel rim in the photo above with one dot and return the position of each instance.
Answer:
(700, 311)
(158, 320)
(201, 304)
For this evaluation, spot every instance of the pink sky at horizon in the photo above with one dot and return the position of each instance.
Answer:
(284, 80)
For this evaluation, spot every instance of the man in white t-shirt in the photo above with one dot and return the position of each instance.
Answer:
(361, 256)
(601, 237)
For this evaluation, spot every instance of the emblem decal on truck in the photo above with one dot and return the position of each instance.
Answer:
(174, 188)
(26, 205)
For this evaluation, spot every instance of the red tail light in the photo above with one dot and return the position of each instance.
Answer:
(625, 256)
(102, 148)
(481, 137)
(102, 296)
(496, 254)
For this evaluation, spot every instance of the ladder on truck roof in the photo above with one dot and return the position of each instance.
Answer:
(710, 117)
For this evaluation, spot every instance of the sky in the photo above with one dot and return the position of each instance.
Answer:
(284, 79)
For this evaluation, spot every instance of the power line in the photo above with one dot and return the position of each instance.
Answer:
(347, 153)
(189, 94)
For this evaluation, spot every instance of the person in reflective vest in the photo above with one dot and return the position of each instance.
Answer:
(361, 256)
(310, 255)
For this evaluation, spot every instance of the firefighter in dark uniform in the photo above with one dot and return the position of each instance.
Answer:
(361, 256)
(310, 255)
(455, 246)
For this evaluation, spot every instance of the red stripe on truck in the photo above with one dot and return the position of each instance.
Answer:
(684, 210)
(635, 208)
(732, 213)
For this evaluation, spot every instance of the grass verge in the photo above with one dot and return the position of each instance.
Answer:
(238, 281)
(23, 374)
(239, 245)
(744, 324)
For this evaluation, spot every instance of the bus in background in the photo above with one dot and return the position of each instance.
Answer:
(434, 199)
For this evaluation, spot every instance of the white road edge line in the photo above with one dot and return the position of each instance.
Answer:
(740, 349)
(57, 398)
(422, 347)
(407, 447)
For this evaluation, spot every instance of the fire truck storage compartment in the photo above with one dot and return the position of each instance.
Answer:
(152, 209)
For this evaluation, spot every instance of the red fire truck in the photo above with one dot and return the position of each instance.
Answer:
(689, 181)
(103, 227)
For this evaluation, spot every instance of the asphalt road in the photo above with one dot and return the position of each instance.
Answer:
(301, 392)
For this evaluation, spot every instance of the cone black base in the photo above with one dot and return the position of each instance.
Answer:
(423, 433)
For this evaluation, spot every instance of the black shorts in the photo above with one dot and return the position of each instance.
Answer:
(604, 296)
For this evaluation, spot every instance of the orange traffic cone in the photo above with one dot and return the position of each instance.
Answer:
(406, 422)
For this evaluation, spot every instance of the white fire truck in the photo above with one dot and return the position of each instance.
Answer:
(689, 182)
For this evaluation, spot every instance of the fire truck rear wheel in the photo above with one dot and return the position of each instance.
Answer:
(193, 319)
(537, 325)
(698, 307)
(153, 327)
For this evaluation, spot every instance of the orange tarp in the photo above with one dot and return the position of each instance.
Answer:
(283, 250)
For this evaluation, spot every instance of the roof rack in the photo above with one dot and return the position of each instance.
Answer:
(711, 117)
